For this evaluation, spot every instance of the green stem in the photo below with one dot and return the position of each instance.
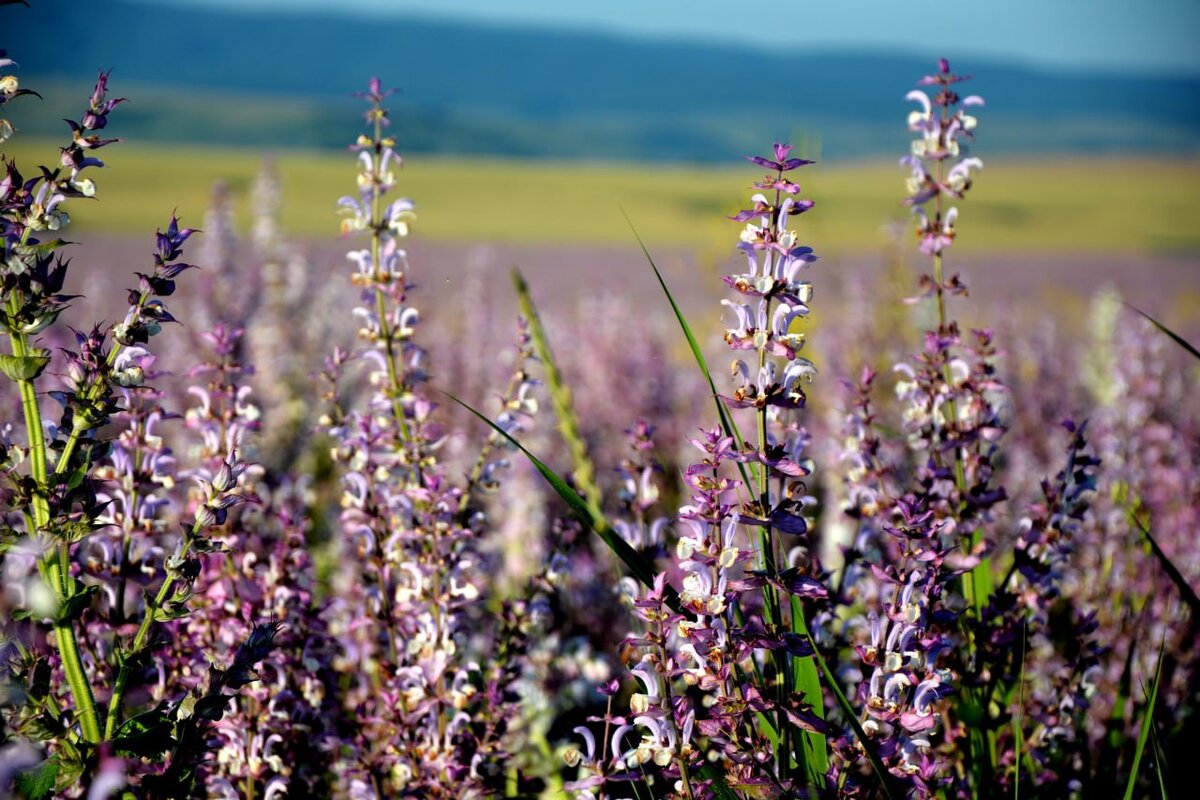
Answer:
(139, 640)
(55, 567)
(395, 374)
(977, 585)
(485, 452)
(395, 382)
(771, 609)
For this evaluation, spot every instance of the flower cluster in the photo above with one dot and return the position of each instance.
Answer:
(717, 654)
(99, 516)
(417, 709)
(931, 623)
(640, 492)
(940, 167)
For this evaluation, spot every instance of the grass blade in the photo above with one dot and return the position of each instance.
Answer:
(1147, 724)
(1179, 340)
(852, 717)
(1159, 759)
(637, 564)
(807, 680)
(584, 471)
(1018, 733)
(722, 412)
(1188, 594)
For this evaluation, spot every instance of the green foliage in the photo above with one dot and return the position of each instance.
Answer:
(584, 471)
(26, 367)
(40, 781)
(146, 735)
(637, 564)
(1179, 340)
(1144, 733)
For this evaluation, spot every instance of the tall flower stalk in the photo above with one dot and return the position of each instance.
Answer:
(77, 484)
(719, 661)
(32, 284)
(417, 709)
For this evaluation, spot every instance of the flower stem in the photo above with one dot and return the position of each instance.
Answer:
(55, 567)
(976, 584)
(139, 641)
(395, 374)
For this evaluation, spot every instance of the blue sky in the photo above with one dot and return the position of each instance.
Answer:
(1117, 35)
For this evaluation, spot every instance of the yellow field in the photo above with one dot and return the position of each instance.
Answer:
(1121, 205)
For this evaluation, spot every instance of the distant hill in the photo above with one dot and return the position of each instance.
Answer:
(257, 78)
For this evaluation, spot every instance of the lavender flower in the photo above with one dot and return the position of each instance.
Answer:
(942, 124)
(704, 636)
(417, 709)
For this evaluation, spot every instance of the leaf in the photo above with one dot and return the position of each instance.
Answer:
(722, 412)
(39, 678)
(74, 605)
(1160, 759)
(24, 368)
(38, 782)
(639, 566)
(186, 709)
(146, 735)
(74, 531)
(806, 680)
(1147, 724)
(1179, 340)
(171, 611)
(70, 773)
(1185, 590)
(852, 717)
(719, 787)
(560, 398)
(212, 707)
(1018, 732)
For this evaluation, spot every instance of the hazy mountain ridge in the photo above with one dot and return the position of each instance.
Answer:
(225, 76)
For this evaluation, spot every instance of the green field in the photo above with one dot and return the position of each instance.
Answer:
(1120, 205)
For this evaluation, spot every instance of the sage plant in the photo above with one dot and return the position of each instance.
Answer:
(420, 717)
(933, 622)
(921, 523)
(715, 704)
(74, 627)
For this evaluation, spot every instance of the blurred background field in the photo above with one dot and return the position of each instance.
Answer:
(530, 135)
(1116, 204)
(550, 137)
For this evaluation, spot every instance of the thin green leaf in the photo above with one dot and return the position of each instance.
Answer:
(1179, 340)
(722, 412)
(1147, 723)
(638, 565)
(1188, 594)
(1160, 759)
(852, 717)
(584, 470)
(1018, 733)
(807, 680)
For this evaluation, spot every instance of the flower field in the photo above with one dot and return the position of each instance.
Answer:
(774, 507)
